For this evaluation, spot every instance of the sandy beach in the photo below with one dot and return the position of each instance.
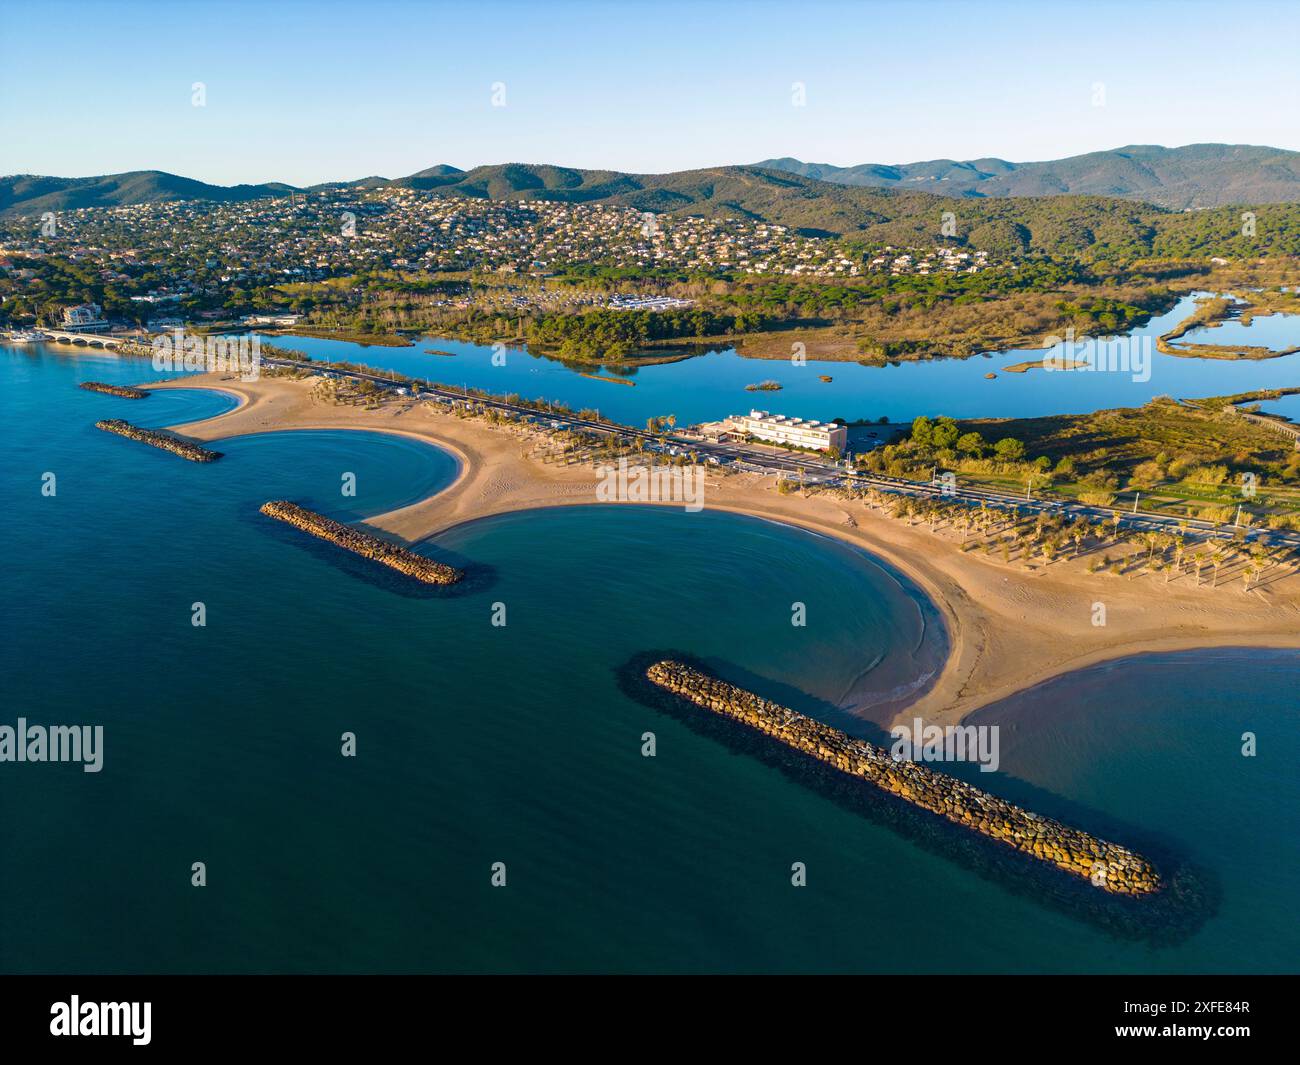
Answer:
(1009, 627)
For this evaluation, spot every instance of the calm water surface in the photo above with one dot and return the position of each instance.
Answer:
(479, 744)
(712, 386)
(1288, 406)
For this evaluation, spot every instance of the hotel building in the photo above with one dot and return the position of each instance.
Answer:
(779, 429)
(85, 318)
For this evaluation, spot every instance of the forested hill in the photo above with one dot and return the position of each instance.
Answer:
(1095, 227)
(32, 194)
(1191, 177)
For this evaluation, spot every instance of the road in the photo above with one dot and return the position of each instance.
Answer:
(815, 471)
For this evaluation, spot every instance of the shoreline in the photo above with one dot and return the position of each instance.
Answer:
(1008, 629)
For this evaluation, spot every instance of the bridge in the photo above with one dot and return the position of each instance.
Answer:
(1290, 429)
(71, 336)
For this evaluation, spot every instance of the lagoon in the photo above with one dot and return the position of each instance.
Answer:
(1287, 406)
(711, 386)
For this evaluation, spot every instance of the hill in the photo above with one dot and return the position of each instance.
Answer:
(1094, 227)
(32, 194)
(1193, 176)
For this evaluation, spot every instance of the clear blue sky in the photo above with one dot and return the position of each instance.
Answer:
(307, 92)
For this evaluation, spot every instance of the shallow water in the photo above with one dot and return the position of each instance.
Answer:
(1287, 406)
(1276, 331)
(712, 386)
(480, 743)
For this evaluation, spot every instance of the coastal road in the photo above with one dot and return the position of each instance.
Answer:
(816, 471)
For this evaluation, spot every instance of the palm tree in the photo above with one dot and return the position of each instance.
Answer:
(1133, 560)
(965, 519)
(1153, 540)
(1261, 559)
(1078, 533)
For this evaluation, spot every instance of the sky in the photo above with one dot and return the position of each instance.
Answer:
(233, 91)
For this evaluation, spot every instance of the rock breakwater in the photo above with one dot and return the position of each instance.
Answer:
(360, 543)
(1107, 866)
(164, 441)
(125, 391)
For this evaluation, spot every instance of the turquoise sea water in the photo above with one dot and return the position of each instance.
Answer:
(480, 744)
(712, 386)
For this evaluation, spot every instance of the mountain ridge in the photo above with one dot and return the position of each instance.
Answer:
(901, 215)
(1189, 177)
(36, 193)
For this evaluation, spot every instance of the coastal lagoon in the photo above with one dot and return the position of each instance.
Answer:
(1287, 406)
(1278, 332)
(711, 386)
(480, 743)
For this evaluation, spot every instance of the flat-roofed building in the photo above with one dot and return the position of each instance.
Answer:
(85, 318)
(780, 429)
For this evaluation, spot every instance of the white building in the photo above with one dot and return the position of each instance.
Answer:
(780, 429)
(84, 317)
(280, 318)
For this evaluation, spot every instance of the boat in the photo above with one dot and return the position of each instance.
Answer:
(25, 336)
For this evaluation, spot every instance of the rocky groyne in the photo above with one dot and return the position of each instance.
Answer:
(125, 391)
(398, 558)
(165, 441)
(1107, 866)
(135, 349)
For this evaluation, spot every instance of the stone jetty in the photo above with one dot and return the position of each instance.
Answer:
(125, 391)
(1107, 866)
(165, 441)
(136, 349)
(360, 543)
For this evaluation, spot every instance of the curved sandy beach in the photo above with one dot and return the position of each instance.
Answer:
(1009, 628)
